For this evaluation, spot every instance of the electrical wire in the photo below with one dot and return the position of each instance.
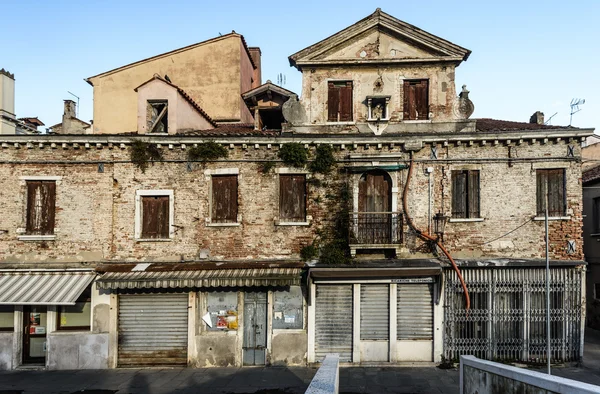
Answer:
(508, 233)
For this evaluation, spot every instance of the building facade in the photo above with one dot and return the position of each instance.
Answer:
(198, 242)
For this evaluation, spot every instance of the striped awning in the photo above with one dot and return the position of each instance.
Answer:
(200, 278)
(43, 287)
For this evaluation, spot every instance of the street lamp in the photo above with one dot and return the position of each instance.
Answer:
(439, 223)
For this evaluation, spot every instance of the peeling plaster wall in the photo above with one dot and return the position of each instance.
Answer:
(442, 93)
(6, 354)
(289, 348)
(77, 350)
(217, 350)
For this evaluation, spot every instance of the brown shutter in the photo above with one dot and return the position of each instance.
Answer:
(155, 217)
(48, 207)
(459, 194)
(224, 199)
(292, 198)
(333, 102)
(541, 182)
(346, 102)
(474, 194)
(407, 100)
(556, 192)
(32, 225)
(422, 100)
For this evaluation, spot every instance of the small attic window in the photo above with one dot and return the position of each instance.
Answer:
(157, 116)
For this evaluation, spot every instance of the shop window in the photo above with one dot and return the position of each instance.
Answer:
(339, 101)
(288, 309)
(7, 318)
(158, 116)
(551, 184)
(154, 214)
(41, 197)
(224, 199)
(465, 194)
(222, 311)
(416, 100)
(76, 317)
(292, 198)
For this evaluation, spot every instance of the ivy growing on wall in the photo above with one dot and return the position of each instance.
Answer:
(207, 151)
(324, 160)
(142, 153)
(294, 154)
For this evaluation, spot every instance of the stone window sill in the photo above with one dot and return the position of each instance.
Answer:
(551, 218)
(278, 223)
(465, 220)
(223, 224)
(340, 123)
(153, 240)
(36, 237)
(595, 235)
(417, 121)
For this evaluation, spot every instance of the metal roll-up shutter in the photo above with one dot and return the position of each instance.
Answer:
(415, 311)
(153, 329)
(374, 312)
(333, 326)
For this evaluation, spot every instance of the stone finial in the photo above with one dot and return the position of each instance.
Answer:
(8, 74)
(537, 118)
(293, 111)
(464, 107)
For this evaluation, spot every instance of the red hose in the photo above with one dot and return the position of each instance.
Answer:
(429, 237)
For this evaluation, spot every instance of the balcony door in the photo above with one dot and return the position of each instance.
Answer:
(375, 208)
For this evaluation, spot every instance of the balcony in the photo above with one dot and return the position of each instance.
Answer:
(375, 230)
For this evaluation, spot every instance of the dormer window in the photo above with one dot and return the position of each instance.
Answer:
(158, 116)
(378, 108)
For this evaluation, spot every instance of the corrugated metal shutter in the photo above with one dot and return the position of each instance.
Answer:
(333, 331)
(374, 312)
(415, 311)
(153, 329)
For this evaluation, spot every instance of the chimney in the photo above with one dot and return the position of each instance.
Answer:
(70, 109)
(7, 102)
(257, 75)
(537, 118)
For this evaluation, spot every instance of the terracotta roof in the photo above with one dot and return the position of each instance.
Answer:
(265, 87)
(487, 124)
(233, 129)
(34, 121)
(233, 33)
(591, 174)
(200, 265)
(77, 119)
(183, 94)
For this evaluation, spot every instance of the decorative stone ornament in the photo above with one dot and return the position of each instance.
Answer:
(463, 107)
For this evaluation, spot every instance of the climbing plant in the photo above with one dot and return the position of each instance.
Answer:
(207, 151)
(144, 152)
(294, 154)
(324, 160)
(266, 167)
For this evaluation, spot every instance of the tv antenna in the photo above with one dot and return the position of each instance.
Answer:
(550, 118)
(281, 79)
(575, 103)
(77, 97)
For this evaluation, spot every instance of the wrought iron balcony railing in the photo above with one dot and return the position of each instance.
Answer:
(376, 228)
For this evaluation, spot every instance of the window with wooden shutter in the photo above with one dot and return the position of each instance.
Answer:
(465, 194)
(339, 101)
(292, 198)
(155, 217)
(41, 199)
(416, 100)
(551, 184)
(224, 199)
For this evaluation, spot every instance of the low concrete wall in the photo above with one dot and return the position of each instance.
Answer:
(77, 350)
(487, 377)
(327, 378)
(6, 350)
(288, 348)
(216, 349)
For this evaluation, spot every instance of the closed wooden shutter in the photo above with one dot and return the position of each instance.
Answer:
(459, 194)
(346, 102)
(416, 100)
(155, 217)
(153, 329)
(551, 182)
(374, 312)
(333, 321)
(292, 198)
(474, 194)
(224, 199)
(41, 200)
(333, 102)
(414, 307)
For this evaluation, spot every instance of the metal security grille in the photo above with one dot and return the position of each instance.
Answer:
(374, 312)
(507, 320)
(414, 307)
(333, 326)
(153, 329)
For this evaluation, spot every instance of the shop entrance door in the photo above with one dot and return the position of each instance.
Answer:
(34, 335)
(255, 328)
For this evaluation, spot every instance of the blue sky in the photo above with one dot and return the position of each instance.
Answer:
(527, 55)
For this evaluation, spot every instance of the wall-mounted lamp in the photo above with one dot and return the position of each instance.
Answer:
(439, 223)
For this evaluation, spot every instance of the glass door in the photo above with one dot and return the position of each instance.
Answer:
(34, 337)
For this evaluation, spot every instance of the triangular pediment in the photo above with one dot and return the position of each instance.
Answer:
(379, 38)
